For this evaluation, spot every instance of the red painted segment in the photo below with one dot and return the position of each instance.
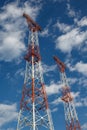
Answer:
(67, 97)
(33, 52)
(44, 95)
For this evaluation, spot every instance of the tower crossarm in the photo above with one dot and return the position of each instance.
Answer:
(60, 64)
(32, 25)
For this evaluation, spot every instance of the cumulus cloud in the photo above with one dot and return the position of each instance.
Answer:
(72, 80)
(20, 72)
(45, 33)
(81, 67)
(73, 36)
(75, 94)
(84, 126)
(71, 39)
(46, 68)
(10, 129)
(62, 27)
(81, 102)
(12, 27)
(57, 101)
(70, 11)
(8, 113)
(82, 81)
(54, 109)
(53, 88)
(70, 67)
(82, 22)
(58, 1)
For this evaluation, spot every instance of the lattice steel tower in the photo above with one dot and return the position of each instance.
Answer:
(72, 122)
(34, 112)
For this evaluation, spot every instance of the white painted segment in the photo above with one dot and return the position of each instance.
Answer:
(34, 116)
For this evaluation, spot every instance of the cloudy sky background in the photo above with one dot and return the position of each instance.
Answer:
(64, 33)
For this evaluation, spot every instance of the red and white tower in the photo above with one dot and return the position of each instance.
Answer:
(72, 122)
(34, 111)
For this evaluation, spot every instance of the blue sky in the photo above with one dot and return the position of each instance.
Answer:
(64, 33)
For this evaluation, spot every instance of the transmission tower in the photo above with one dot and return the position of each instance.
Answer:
(71, 118)
(34, 111)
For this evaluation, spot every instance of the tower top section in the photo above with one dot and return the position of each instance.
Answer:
(31, 24)
(60, 64)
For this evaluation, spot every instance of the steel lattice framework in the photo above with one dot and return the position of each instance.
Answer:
(72, 122)
(34, 112)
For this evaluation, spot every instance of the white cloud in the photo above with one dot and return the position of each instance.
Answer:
(58, 1)
(71, 39)
(10, 129)
(8, 113)
(82, 82)
(46, 68)
(71, 68)
(20, 72)
(54, 109)
(53, 88)
(84, 101)
(84, 126)
(45, 33)
(11, 47)
(72, 80)
(12, 26)
(75, 32)
(81, 67)
(57, 101)
(82, 22)
(75, 94)
(80, 102)
(74, 36)
(63, 27)
(71, 12)
(36, 2)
